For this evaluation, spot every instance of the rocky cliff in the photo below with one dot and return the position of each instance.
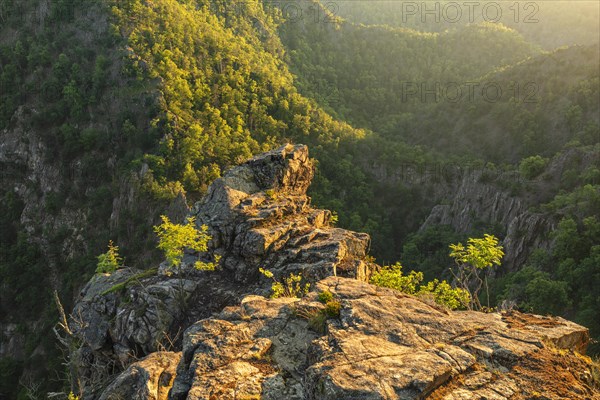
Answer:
(214, 334)
(258, 215)
(478, 196)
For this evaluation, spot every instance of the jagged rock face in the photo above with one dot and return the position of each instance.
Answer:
(525, 230)
(481, 196)
(383, 345)
(259, 216)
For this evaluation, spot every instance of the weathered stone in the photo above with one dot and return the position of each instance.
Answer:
(384, 345)
(259, 355)
(391, 346)
(147, 379)
(258, 215)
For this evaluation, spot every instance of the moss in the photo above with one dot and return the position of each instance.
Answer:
(133, 279)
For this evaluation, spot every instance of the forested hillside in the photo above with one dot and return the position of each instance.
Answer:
(113, 112)
(495, 111)
(547, 23)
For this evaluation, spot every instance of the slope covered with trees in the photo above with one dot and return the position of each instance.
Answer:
(493, 102)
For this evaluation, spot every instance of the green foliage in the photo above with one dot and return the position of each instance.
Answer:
(184, 103)
(270, 193)
(72, 396)
(317, 318)
(110, 261)
(24, 276)
(535, 291)
(325, 296)
(131, 280)
(291, 286)
(393, 277)
(427, 250)
(531, 167)
(444, 294)
(174, 238)
(480, 254)
(334, 218)
(318, 321)
(333, 308)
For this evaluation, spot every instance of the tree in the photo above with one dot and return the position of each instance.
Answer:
(531, 167)
(441, 292)
(174, 238)
(480, 254)
(110, 261)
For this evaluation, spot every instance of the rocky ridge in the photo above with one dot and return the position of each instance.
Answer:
(258, 215)
(214, 335)
(383, 345)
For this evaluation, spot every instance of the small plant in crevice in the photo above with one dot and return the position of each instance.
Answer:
(271, 194)
(333, 308)
(325, 296)
(333, 218)
(317, 317)
(291, 286)
(132, 280)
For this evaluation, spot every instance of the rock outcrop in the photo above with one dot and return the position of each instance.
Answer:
(475, 201)
(190, 335)
(383, 345)
(258, 215)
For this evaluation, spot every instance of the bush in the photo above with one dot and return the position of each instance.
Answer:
(110, 261)
(444, 294)
(393, 278)
(290, 287)
(174, 238)
(333, 308)
(531, 167)
(325, 296)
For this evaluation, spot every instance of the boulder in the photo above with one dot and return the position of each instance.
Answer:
(148, 379)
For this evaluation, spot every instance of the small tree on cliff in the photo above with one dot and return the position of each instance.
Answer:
(174, 238)
(110, 261)
(480, 254)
